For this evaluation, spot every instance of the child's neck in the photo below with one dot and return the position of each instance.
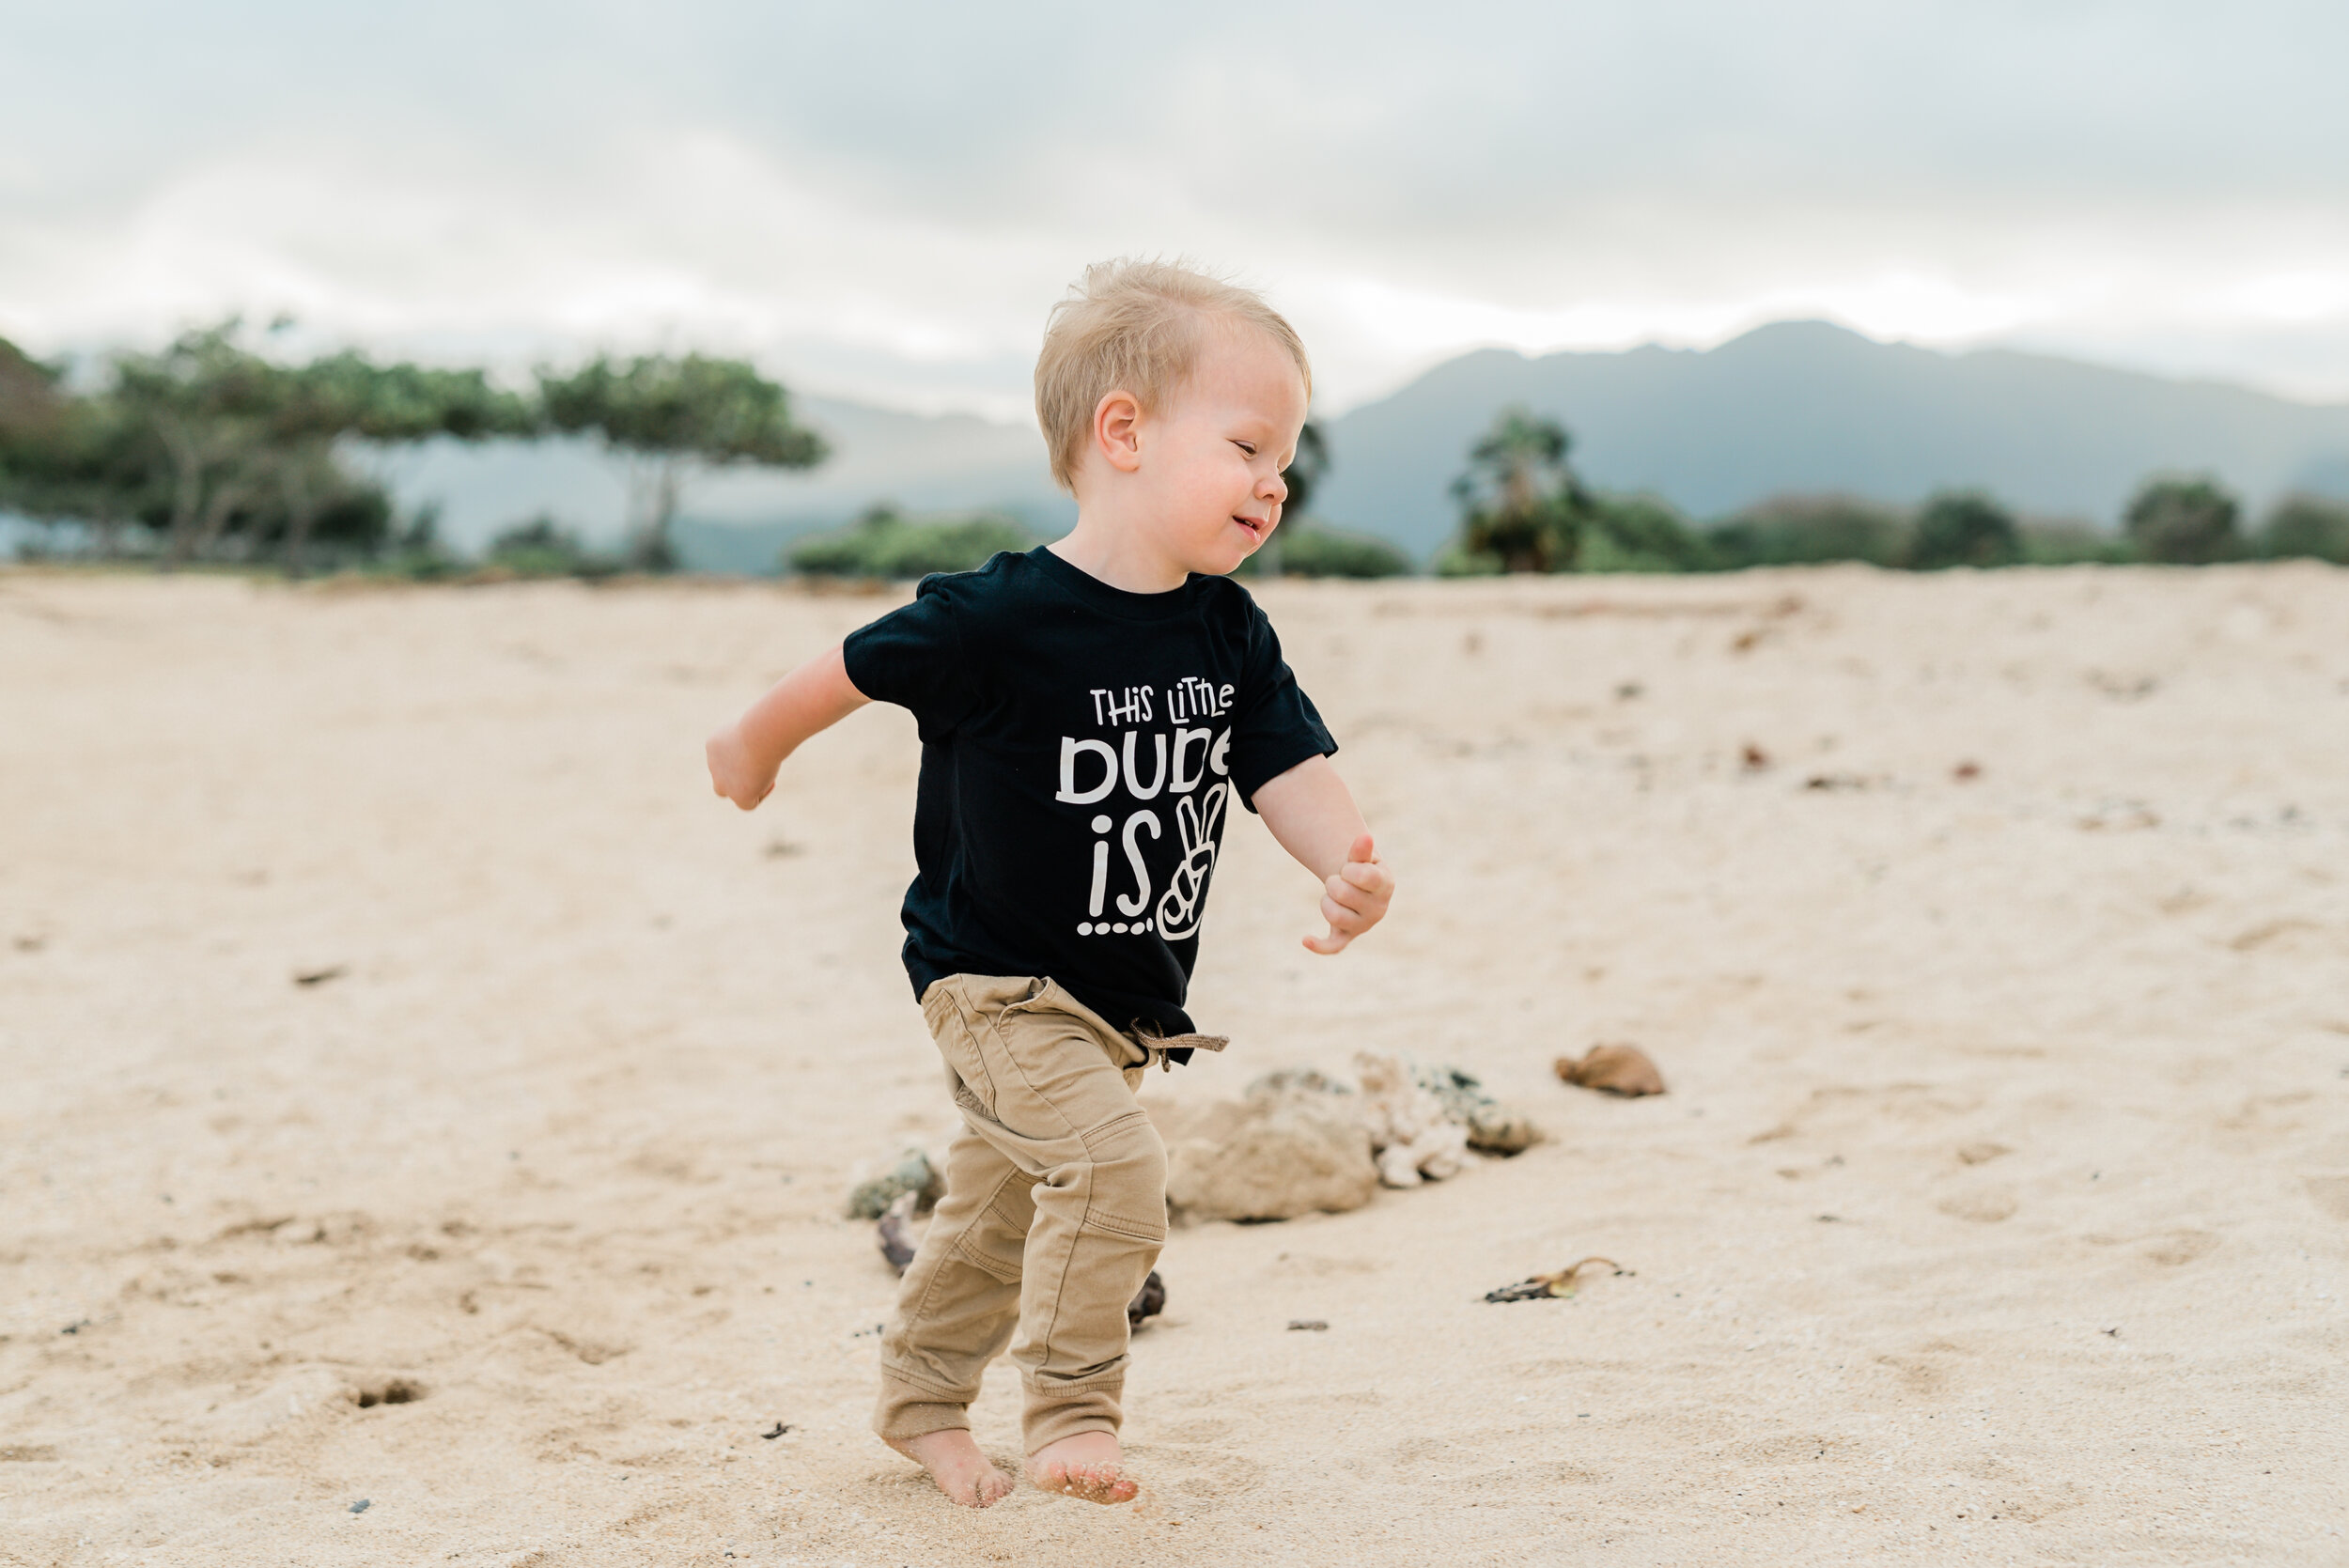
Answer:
(1123, 557)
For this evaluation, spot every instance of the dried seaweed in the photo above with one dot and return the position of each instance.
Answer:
(1544, 1287)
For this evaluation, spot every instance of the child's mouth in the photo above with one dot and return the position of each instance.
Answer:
(1256, 530)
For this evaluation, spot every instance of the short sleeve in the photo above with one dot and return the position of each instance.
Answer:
(1276, 726)
(914, 657)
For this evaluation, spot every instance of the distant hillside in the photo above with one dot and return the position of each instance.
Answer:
(1806, 405)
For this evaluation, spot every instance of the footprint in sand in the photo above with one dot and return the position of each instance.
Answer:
(2331, 1194)
(1984, 1206)
(2176, 1249)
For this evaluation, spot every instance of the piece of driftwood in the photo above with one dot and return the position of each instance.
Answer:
(1542, 1287)
(1624, 1070)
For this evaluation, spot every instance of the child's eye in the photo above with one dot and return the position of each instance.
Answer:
(1247, 446)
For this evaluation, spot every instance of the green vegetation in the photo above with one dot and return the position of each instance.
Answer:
(886, 543)
(2059, 542)
(1523, 509)
(215, 449)
(2184, 521)
(2306, 527)
(543, 547)
(1807, 530)
(220, 449)
(668, 417)
(1308, 548)
(1520, 504)
(1303, 545)
(1962, 528)
(1639, 534)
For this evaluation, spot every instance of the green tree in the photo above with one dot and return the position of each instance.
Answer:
(347, 395)
(668, 417)
(2309, 527)
(206, 402)
(1962, 528)
(1306, 471)
(2186, 522)
(64, 456)
(1520, 504)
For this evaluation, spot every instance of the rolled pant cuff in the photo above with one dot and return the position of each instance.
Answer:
(905, 1413)
(1093, 1408)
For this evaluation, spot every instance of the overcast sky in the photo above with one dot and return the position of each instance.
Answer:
(883, 200)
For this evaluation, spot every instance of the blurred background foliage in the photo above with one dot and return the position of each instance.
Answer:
(215, 451)
(1523, 509)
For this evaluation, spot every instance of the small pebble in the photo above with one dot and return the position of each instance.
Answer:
(1312, 1325)
(361, 1505)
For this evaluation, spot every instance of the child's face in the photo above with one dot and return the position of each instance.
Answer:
(1211, 456)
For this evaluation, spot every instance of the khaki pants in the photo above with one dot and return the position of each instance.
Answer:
(1055, 1210)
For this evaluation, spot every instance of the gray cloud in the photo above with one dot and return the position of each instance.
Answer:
(884, 199)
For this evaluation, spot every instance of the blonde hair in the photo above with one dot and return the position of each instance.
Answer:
(1135, 326)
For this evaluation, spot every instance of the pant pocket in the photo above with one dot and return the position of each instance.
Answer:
(959, 1009)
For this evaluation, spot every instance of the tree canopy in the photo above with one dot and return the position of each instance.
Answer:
(668, 416)
(2184, 521)
(1964, 528)
(2306, 527)
(1520, 503)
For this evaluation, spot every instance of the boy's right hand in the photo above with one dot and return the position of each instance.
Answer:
(735, 774)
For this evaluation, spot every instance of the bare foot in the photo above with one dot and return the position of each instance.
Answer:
(1088, 1464)
(955, 1461)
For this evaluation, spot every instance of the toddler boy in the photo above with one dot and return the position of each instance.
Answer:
(1088, 712)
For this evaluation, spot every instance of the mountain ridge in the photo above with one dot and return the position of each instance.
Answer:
(1798, 406)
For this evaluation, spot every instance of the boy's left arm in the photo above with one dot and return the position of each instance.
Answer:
(1313, 814)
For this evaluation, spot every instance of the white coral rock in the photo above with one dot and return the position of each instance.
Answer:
(1413, 1134)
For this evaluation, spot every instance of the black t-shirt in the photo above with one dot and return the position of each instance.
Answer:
(1080, 748)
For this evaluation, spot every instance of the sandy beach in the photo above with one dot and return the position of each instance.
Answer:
(420, 1091)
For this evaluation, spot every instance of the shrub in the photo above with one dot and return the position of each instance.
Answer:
(2305, 526)
(416, 553)
(885, 543)
(1458, 560)
(2067, 542)
(1314, 549)
(543, 547)
(1962, 528)
(1799, 530)
(2184, 521)
(1639, 534)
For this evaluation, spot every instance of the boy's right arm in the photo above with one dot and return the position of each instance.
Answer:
(744, 755)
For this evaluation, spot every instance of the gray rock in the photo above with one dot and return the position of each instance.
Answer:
(913, 1173)
(1273, 1156)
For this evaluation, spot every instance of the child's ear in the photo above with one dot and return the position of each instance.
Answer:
(1117, 430)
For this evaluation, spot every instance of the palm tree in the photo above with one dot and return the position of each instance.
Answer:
(1519, 500)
